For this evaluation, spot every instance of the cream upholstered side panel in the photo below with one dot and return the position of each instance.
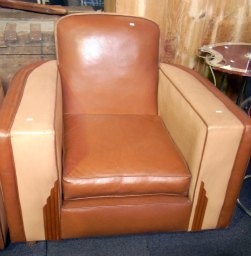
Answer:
(184, 124)
(35, 138)
(205, 131)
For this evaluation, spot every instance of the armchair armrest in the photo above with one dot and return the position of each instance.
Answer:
(214, 136)
(30, 139)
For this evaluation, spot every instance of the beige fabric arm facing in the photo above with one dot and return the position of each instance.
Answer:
(36, 138)
(206, 132)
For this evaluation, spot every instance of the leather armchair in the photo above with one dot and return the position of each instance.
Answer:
(106, 140)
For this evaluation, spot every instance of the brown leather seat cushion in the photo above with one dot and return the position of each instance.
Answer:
(117, 155)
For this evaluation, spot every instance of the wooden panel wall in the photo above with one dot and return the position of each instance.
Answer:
(188, 24)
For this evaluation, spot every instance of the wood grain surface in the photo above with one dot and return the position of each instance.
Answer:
(188, 24)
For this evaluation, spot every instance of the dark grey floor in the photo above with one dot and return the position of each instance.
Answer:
(233, 241)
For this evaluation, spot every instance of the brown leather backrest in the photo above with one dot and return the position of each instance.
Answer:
(108, 64)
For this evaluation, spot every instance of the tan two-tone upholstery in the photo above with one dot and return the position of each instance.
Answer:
(106, 140)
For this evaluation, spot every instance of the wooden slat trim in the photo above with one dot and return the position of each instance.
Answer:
(200, 209)
(57, 212)
(52, 216)
(2, 238)
(45, 222)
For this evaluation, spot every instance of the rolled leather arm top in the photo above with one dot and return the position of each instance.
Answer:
(30, 137)
(213, 135)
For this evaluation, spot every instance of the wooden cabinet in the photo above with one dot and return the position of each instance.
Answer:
(24, 38)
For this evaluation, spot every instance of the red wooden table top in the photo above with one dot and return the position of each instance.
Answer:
(233, 58)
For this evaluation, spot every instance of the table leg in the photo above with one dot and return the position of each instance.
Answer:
(242, 90)
(245, 209)
(222, 83)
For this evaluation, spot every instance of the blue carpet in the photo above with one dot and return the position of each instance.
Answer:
(233, 241)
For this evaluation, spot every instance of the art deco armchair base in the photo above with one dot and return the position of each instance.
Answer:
(104, 141)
